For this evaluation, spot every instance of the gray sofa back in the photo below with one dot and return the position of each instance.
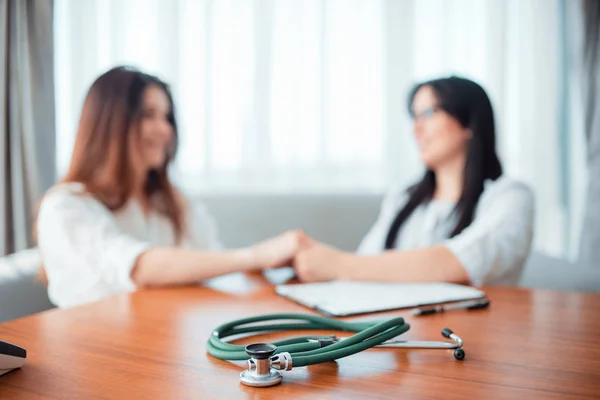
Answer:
(337, 219)
(21, 293)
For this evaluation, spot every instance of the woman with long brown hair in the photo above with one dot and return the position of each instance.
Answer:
(115, 222)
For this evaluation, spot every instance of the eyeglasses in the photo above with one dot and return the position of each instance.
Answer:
(426, 113)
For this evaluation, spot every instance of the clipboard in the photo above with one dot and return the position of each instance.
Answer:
(343, 298)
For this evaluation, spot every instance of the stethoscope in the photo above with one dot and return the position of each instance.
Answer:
(265, 360)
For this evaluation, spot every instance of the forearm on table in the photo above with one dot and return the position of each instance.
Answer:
(433, 264)
(163, 266)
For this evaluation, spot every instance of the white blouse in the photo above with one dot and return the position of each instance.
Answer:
(493, 249)
(88, 251)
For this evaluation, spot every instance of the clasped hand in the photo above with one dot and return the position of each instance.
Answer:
(312, 260)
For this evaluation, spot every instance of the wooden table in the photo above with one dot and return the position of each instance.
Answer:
(151, 344)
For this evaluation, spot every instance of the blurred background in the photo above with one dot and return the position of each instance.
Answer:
(293, 113)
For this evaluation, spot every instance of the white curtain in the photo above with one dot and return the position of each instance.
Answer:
(309, 95)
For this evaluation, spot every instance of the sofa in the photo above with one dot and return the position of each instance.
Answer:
(21, 292)
(338, 219)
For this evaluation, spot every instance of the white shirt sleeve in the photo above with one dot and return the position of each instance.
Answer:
(374, 241)
(85, 254)
(203, 230)
(495, 246)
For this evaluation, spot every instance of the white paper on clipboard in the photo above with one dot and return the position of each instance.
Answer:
(341, 298)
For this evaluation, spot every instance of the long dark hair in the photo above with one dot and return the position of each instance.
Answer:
(466, 101)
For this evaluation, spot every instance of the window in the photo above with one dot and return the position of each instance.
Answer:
(290, 95)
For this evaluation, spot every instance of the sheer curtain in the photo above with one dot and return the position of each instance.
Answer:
(289, 95)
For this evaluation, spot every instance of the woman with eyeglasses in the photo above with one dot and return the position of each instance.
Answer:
(463, 222)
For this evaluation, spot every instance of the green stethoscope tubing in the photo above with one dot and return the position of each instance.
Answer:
(305, 350)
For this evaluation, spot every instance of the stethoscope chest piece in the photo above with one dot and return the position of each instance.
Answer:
(259, 372)
(272, 378)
